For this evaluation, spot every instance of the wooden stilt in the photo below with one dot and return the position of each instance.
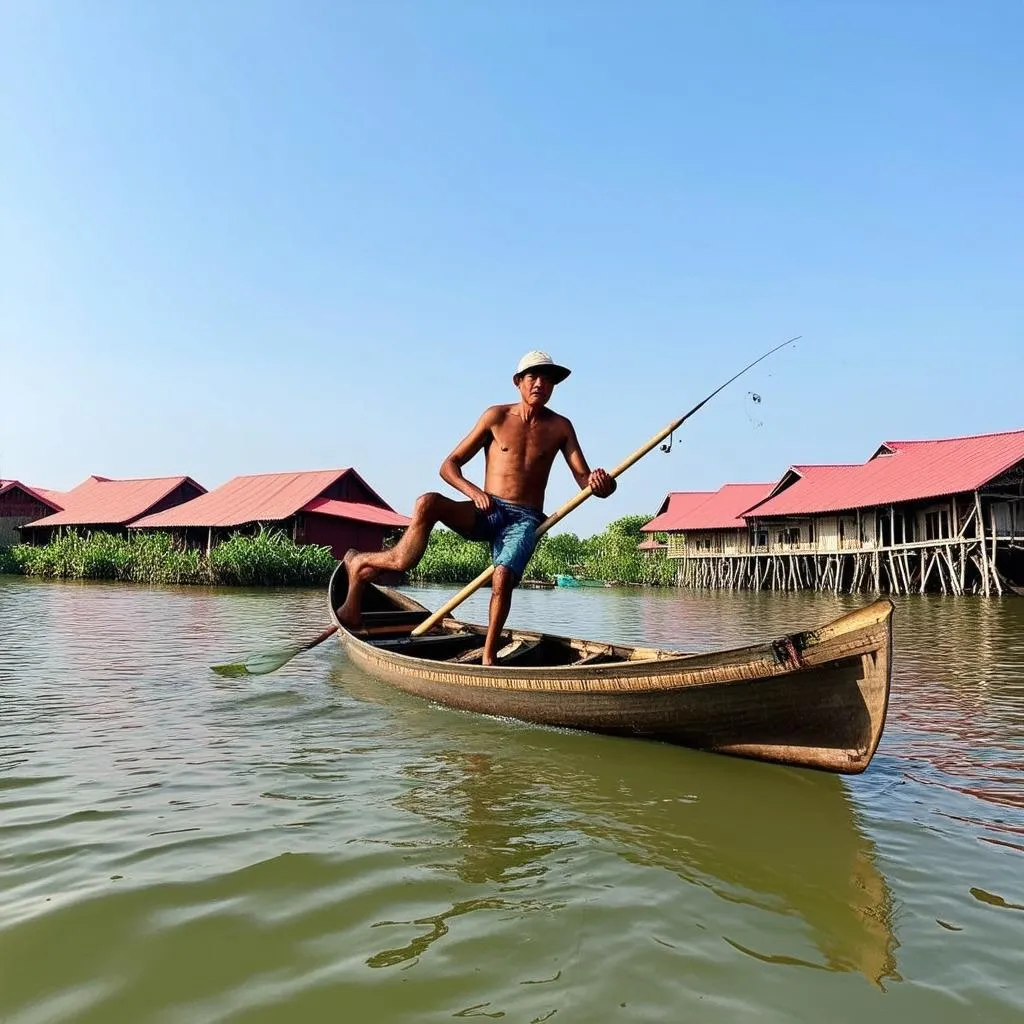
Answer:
(981, 539)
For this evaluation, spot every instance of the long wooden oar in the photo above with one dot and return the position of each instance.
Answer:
(582, 496)
(272, 660)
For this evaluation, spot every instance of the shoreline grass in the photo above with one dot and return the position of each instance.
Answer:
(267, 558)
(271, 558)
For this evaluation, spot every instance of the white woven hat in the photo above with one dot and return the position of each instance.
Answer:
(537, 360)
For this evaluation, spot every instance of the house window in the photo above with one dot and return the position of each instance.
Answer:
(760, 539)
(810, 532)
(936, 525)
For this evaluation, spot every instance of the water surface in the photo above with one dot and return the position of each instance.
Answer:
(312, 845)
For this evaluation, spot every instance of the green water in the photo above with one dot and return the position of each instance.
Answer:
(313, 846)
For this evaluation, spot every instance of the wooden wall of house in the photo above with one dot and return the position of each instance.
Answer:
(185, 491)
(868, 527)
(10, 528)
(1008, 518)
(18, 507)
(826, 533)
(709, 542)
(735, 542)
(348, 488)
(340, 534)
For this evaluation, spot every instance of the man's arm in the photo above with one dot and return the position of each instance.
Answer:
(597, 480)
(475, 441)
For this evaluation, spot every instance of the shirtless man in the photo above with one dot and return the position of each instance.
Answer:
(520, 442)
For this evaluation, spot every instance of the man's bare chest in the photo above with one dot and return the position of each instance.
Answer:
(525, 442)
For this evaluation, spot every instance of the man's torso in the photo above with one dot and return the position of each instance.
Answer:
(520, 454)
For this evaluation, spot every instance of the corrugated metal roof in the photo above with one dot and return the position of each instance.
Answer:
(651, 545)
(723, 510)
(42, 494)
(99, 501)
(259, 498)
(357, 510)
(675, 505)
(899, 471)
(54, 498)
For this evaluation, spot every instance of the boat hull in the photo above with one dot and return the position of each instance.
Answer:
(815, 699)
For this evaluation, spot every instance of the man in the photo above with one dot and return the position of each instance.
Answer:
(520, 442)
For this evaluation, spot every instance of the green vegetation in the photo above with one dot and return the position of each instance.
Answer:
(611, 555)
(268, 558)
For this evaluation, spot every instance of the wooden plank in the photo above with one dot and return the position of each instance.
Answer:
(411, 644)
(506, 655)
(397, 617)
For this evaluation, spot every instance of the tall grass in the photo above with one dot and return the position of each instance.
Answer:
(268, 558)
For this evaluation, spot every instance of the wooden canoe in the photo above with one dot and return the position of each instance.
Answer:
(815, 698)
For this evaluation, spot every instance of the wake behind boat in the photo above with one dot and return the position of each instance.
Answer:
(814, 699)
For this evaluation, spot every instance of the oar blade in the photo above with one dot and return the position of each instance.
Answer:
(259, 664)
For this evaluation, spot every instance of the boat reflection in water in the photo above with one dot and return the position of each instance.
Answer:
(518, 798)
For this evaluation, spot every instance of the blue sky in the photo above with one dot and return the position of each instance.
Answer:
(253, 237)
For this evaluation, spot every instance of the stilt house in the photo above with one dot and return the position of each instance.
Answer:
(918, 515)
(944, 515)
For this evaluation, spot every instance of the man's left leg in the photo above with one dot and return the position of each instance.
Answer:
(512, 551)
(503, 582)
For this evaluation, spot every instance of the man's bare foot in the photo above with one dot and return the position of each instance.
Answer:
(350, 614)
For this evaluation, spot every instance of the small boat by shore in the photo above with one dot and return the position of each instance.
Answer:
(537, 585)
(815, 698)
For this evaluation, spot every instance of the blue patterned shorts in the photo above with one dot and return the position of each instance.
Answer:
(511, 532)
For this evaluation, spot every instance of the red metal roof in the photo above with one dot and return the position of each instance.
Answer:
(651, 545)
(357, 510)
(54, 498)
(263, 497)
(676, 504)
(723, 510)
(41, 494)
(899, 471)
(98, 500)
